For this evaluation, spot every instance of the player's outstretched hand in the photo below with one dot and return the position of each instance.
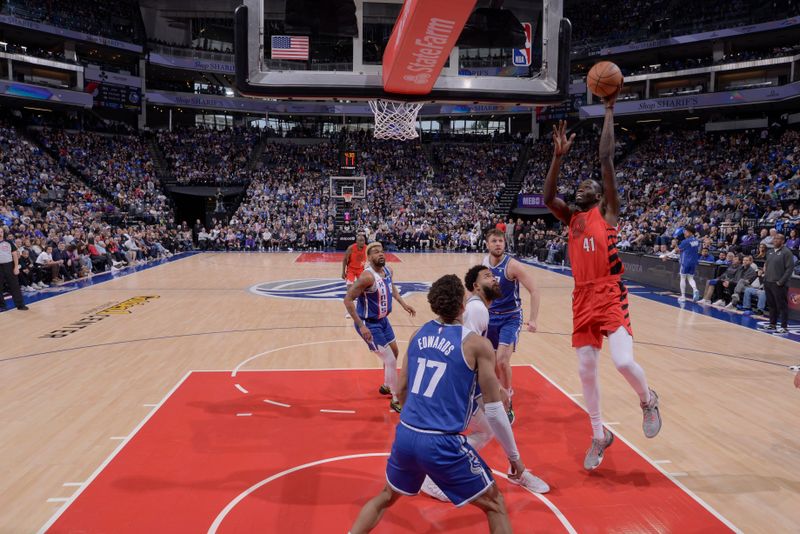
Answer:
(517, 469)
(410, 309)
(366, 333)
(504, 397)
(611, 99)
(531, 325)
(561, 144)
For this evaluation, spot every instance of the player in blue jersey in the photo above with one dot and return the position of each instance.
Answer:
(374, 292)
(445, 362)
(690, 256)
(483, 288)
(505, 313)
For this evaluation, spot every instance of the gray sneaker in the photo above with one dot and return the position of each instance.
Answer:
(595, 453)
(651, 422)
(531, 482)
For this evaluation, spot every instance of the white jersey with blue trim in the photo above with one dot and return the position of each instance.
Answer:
(510, 301)
(476, 316)
(476, 319)
(376, 301)
(441, 385)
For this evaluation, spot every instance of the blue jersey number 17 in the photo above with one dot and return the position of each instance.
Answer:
(422, 365)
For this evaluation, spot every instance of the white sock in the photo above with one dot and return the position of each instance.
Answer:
(683, 284)
(587, 370)
(621, 344)
(692, 282)
(386, 354)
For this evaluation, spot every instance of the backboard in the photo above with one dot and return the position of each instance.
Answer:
(509, 51)
(354, 185)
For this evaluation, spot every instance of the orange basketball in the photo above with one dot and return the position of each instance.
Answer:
(604, 78)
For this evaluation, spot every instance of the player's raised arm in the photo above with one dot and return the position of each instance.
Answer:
(364, 281)
(481, 349)
(561, 145)
(610, 205)
(519, 272)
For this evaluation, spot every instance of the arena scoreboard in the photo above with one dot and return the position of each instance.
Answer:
(348, 159)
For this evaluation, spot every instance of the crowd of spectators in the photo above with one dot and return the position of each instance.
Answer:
(723, 184)
(409, 204)
(116, 20)
(578, 71)
(731, 187)
(208, 156)
(62, 227)
(87, 194)
(615, 22)
(120, 166)
(441, 204)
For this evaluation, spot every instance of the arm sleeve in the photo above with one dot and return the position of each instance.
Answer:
(498, 421)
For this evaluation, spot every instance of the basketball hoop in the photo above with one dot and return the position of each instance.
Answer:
(348, 197)
(395, 120)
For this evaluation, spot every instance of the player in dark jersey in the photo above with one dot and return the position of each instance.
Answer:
(444, 364)
(600, 299)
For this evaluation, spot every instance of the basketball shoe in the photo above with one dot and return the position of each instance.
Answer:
(595, 453)
(530, 481)
(396, 406)
(651, 418)
(430, 488)
(384, 390)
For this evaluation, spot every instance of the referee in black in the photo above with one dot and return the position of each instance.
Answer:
(9, 270)
(777, 272)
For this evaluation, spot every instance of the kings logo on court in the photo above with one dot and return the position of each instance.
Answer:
(322, 289)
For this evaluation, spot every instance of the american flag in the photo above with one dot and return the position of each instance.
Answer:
(289, 47)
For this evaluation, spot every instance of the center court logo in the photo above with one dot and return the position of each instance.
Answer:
(322, 289)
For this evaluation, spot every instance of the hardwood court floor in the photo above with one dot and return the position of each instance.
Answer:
(731, 432)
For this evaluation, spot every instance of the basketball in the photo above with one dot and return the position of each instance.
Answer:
(604, 79)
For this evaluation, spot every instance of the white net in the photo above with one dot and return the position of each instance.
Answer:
(395, 120)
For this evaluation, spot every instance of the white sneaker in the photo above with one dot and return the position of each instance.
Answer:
(347, 316)
(730, 306)
(429, 487)
(681, 299)
(529, 481)
(704, 301)
(720, 302)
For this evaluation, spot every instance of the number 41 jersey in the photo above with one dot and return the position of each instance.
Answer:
(592, 247)
(440, 384)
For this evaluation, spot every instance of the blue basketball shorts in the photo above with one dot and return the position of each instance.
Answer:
(448, 459)
(504, 328)
(382, 333)
(688, 268)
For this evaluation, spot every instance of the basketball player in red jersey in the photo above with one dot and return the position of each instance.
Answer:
(354, 260)
(599, 300)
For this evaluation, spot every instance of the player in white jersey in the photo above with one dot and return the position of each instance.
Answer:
(484, 288)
